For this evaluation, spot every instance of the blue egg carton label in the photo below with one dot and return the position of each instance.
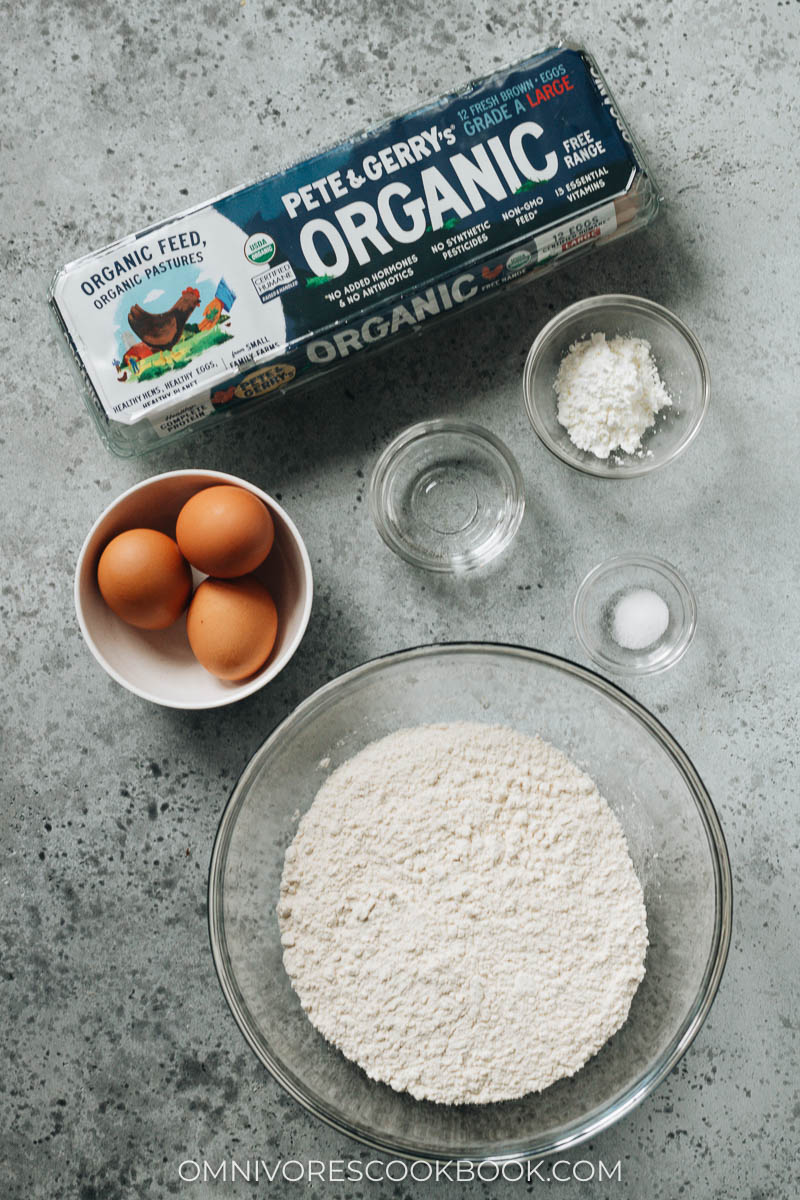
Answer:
(273, 283)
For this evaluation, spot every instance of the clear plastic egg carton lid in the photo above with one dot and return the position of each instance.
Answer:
(447, 495)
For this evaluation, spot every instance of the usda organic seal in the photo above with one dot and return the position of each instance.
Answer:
(518, 260)
(259, 248)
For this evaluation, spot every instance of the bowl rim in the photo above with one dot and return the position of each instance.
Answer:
(586, 1126)
(257, 681)
(389, 456)
(595, 466)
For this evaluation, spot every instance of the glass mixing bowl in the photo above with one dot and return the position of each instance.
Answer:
(675, 841)
(681, 364)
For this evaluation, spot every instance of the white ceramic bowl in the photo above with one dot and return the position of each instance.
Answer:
(159, 665)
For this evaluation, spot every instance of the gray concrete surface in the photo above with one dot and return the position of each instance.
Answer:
(120, 1058)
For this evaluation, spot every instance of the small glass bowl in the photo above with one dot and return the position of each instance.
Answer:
(681, 364)
(605, 586)
(447, 495)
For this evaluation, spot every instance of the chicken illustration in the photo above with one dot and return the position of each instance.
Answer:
(162, 330)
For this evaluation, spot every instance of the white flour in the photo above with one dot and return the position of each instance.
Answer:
(460, 915)
(609, 393)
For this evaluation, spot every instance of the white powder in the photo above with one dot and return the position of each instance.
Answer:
(640, 619)
(609, 393)
(460, 915)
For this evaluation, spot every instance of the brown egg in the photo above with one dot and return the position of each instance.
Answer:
(225, 531)
(144, 578)
(232, 625)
